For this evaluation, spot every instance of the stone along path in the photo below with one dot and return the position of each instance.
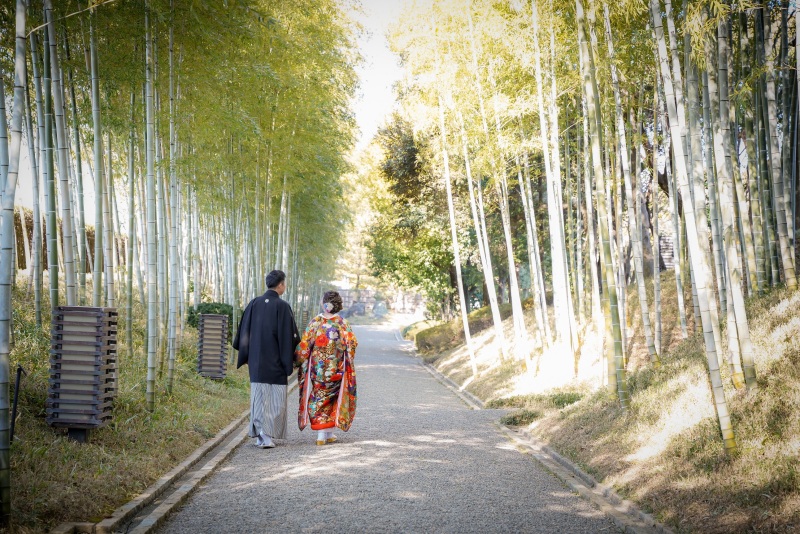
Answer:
(416, 459)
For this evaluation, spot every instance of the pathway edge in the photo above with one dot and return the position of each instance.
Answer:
(130, 509)
(624, 513)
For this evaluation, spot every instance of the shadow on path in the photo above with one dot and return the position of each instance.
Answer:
(416, 459)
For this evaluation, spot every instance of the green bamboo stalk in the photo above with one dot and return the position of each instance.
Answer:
(63, 158)
(732, 260)
(701, 273)
(97, 274)
(7, 267)
(765, 188)
(81, 230)
(786, 254)
(454, 237)
(131, 232)
(480, 233)
(108, 228)
(632, 219)
(36, 238)
(698, 187)
(49, 189)
(152, 326)
(593, 106)
(174, 208)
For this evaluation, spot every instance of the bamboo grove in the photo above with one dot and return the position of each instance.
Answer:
(584, 146)
(204, 140)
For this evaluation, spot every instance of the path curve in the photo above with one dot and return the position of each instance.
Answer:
(416, 459)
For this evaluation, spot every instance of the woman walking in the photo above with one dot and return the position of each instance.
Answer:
(327, 378)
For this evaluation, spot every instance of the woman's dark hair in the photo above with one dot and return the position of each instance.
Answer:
(334, 298)
(275, 278)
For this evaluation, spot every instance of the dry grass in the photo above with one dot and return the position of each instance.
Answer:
(665, 452)
(55, 479)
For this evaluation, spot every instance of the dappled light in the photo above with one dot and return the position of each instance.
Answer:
(429, 253)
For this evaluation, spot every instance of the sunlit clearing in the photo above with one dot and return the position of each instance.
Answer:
(687, 410)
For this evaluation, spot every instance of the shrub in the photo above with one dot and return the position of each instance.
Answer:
(520, 417)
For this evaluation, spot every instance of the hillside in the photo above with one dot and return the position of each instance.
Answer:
(665, 453)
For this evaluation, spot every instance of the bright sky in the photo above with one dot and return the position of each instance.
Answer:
(373, 102)
(380, 69)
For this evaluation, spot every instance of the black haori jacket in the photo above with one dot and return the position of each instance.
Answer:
(266, 339)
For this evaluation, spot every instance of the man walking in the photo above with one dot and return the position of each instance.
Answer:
(266, 340)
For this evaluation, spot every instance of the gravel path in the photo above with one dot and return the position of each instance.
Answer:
(416, 459)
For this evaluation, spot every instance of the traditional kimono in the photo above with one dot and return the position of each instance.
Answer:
(265, 339)
(327, 379)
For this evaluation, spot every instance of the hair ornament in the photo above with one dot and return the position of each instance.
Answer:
(328, 307)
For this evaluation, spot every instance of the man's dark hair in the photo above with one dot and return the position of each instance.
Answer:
(275, 278)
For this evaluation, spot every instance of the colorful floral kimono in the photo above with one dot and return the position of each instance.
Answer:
(327, 379)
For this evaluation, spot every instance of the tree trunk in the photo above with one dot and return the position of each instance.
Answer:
(173, 198)
(63, 159)
(626, 171)
(695, 255)
(50, 190)
(152, 271)
(593, 107)
(97, 274)
(131, 234)
(36, 238)
(454, 237)
(483, 246)
(6, 258)
(108, 228)
(722, 151)
(786, 254)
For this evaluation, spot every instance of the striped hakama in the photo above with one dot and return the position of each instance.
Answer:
(267, 410)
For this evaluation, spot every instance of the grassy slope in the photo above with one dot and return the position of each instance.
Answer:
(56, 480)
(665, 453)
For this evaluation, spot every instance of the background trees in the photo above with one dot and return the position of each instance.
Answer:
(189, 147)
(693, 99)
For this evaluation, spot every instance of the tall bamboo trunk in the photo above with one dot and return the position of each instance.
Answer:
(695, 255)
(722, 151)
(81, 229)
(596, 311)
(770, 124)
(36, 238)
(50, 189)
(173, 198)
(537, 295)
(480, 234)
(108, 228)
(619, 382)
(131, 233)
(97, 274)
(63, 158)
(632, 220)
(536, 252)
(454, 238)
(7, 266)
(152, 271)
(558, 194)
(698, 185)
(656, 191)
